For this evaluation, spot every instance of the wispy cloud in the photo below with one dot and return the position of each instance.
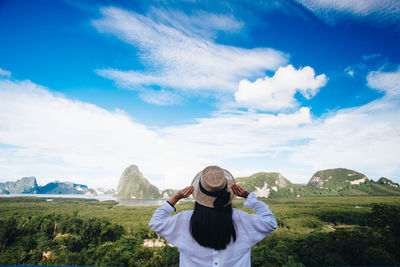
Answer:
(370, 57)
(179, 53)
(5, 73)
(367, 64)
(387, 82)
(383, 12)
(200, 23)
(349, 70)
(160, 97)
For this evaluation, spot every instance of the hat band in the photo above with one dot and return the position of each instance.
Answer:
(211, 194)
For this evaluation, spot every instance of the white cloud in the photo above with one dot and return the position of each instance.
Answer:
(5, 73)
(160, 97)
(349, 70)
(53, 137)
(383, 12)
(201, 23)
(277, 92)
(388, 82)
(178, 54)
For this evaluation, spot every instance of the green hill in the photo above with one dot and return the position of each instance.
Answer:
(132, 184)
(330, 182)
(345, 182)
(386, 181)
(337, 178)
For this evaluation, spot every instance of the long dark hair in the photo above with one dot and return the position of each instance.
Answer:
(212, 227)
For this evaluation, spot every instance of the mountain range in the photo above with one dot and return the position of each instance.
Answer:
(132, 184)
(28, 185)
(330, 182)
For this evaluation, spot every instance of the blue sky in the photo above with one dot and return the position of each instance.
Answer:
(89, 87)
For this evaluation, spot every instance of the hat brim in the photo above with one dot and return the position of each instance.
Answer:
(206, 200)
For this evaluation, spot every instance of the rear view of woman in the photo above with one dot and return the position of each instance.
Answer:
(214, 234)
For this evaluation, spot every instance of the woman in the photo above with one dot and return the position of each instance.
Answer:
(214, 234)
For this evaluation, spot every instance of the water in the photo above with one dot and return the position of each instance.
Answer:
(140, 202)
(122, 201)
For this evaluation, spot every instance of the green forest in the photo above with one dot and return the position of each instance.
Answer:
(318, 231)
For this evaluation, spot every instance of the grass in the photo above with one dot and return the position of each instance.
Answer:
(295, 215)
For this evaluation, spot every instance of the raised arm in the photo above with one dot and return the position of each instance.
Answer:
(258, 225)
(184, 193)
(166, 226)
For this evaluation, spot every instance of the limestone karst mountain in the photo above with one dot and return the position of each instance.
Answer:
(386, 181)
(110, 191)
(132, 184)
(346, 182)
(26, 185)
(330, 182)
(337, 178)
(63, 188)
(101, 191)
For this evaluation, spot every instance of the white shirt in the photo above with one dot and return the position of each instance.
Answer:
(250, 229)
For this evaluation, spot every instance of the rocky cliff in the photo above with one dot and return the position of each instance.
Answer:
(24, 185)
(63, 188)
(28, 185)
(132, 184)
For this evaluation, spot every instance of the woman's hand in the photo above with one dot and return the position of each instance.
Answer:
(184, 193)
(240, 192)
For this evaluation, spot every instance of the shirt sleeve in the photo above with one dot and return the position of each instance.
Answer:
(259, 225)
(169, 227)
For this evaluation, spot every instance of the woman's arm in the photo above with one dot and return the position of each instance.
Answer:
(166, 226)
(184, 193)
(258, 225)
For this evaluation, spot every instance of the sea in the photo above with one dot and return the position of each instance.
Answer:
(121, 201)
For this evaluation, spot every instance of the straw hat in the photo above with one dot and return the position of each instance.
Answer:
(212, 187)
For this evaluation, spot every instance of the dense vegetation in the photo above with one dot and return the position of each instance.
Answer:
(312, 232)
(330, 182)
